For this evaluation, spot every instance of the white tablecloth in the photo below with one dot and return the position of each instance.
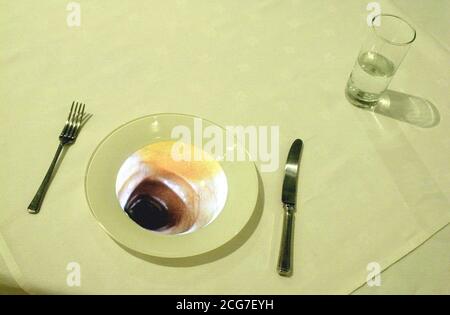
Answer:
(374, 186)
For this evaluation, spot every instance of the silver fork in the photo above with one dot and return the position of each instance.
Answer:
(68, 136)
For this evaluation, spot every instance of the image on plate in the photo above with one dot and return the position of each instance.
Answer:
(171, 195)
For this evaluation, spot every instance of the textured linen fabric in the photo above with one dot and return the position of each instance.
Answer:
(373, 185)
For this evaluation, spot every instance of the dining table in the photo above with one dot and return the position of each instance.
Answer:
(374, 184)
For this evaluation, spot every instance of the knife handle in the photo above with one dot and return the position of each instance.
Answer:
(286, 250)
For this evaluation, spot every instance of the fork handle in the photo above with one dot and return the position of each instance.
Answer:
(35, 204)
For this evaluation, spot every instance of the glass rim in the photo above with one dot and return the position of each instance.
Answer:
(373, 26)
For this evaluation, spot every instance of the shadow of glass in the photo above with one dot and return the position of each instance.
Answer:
(408, 108)
(219, 252)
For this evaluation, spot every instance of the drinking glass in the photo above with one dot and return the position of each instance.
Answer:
(387, 43)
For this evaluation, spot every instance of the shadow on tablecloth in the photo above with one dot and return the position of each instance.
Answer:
(407, 108)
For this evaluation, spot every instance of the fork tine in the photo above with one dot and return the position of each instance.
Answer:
(80, 120)
(71, 121)
(71, 109)
(67, 124)
(80, 109)
(77, 120)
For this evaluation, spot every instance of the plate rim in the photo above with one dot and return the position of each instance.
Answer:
(249, 163)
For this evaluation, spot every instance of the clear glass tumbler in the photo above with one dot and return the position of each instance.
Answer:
(387, 43)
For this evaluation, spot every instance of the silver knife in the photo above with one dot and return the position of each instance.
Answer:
(289, 199)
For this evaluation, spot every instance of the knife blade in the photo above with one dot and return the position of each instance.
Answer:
(289, 199)
(289, 192)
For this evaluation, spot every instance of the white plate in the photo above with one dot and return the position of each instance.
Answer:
(100, 190)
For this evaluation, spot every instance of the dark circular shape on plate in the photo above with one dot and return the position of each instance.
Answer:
(154, 206)
(148, 212)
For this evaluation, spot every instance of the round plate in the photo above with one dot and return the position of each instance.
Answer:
(100, 191)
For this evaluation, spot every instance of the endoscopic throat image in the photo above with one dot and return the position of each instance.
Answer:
(168, 196)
